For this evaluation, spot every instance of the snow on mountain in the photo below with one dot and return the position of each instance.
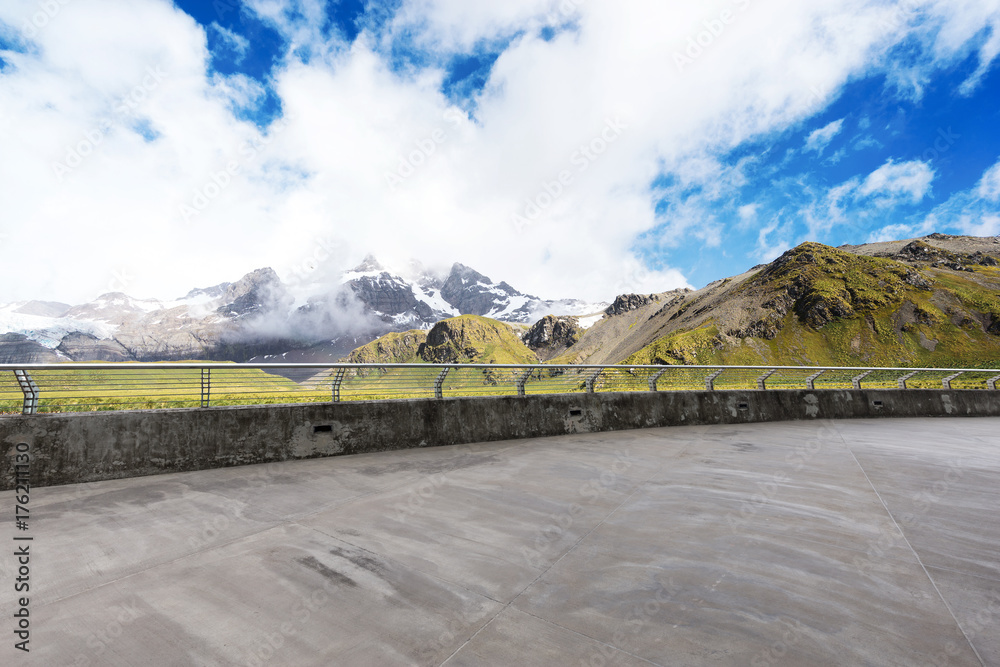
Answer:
(48, 331)
(363, 302)
(590, 320)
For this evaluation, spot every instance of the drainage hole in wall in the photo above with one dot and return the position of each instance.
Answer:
(323, 428)
(877, 404)
(575, 413)
(743, 406)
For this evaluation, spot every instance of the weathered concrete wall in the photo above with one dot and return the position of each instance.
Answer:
(69, 448)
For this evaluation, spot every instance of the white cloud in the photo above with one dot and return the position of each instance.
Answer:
(319, 177)
(894, 181)
(819, 139)
(858, 202)
(987, 54)
(768, 250)
(238, 44)
(460, 24)
(975, 212)
(989, 185)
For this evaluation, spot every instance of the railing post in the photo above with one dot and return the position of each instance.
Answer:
(856, 381)
(653, 380)
(992, 382)
(946, 383)
(811, 380)
(206, 387)
(901, 383)
(592, 379)
(710, 380)
(439, 383)
(762, 380)
(521, 380)
(30, 391)
(337, 380)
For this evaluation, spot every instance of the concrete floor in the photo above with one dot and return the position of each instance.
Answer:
(803, 543)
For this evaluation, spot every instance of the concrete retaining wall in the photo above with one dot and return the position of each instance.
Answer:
(69, 448)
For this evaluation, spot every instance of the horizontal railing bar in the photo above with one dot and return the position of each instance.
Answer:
(129, 366)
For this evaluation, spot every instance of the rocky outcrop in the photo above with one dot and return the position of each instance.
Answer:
(472, 293)
(389, 296)
(626, 302)
(162, 345)
(87, 347)
(17, 348)
(551, 336)
(473, 339)
(213, 292)
(919, 252)
(822, 284)
(257, 292)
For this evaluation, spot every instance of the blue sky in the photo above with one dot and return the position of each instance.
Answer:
(571, 147)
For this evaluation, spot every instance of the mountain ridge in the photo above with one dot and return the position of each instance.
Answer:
(928, 301)
(258, 317)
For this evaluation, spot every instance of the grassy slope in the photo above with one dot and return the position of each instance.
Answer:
(392, 348)
(475, 339)
(94, 390)
(465, 339)
(844, 309)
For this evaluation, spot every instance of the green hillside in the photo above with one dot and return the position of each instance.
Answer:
(818, 305)
(392, 348)
(471, 339)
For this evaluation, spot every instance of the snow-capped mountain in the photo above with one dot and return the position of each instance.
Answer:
(416, 298)
(258, 316)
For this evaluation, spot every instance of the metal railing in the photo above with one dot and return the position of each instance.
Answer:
(71, 387)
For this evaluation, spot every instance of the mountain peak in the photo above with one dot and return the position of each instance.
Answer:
(259, 290)
(466, 274)
(368, 264)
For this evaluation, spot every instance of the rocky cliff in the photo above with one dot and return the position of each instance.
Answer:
(17, 348)
(551, 336)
